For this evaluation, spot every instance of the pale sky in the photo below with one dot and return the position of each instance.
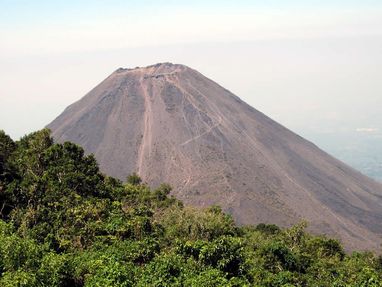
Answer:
(314, 66)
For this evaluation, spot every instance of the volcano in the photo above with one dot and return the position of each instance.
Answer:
(169, 123)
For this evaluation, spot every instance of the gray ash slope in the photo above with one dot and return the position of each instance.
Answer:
(171, 124)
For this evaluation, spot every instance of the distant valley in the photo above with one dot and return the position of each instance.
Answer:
(362, 151)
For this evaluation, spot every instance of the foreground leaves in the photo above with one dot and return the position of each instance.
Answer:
(63, 223)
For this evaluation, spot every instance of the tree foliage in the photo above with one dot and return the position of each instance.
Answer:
(64, 223)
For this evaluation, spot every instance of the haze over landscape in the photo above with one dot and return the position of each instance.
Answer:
(312, 66)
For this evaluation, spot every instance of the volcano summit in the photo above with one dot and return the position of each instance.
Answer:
(171, 124)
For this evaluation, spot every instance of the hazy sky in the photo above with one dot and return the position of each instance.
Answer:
(314, 66)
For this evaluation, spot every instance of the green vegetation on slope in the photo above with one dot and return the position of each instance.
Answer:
(63, 223)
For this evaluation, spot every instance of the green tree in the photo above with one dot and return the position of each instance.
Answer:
(63, 223)
(134, 179)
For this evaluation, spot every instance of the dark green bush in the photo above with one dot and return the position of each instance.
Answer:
(63, 223)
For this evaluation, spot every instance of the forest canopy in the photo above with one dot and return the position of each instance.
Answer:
(64, 223)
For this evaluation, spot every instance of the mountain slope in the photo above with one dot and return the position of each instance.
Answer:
(171, 124)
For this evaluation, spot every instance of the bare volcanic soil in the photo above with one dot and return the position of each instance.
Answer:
(171, 124)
